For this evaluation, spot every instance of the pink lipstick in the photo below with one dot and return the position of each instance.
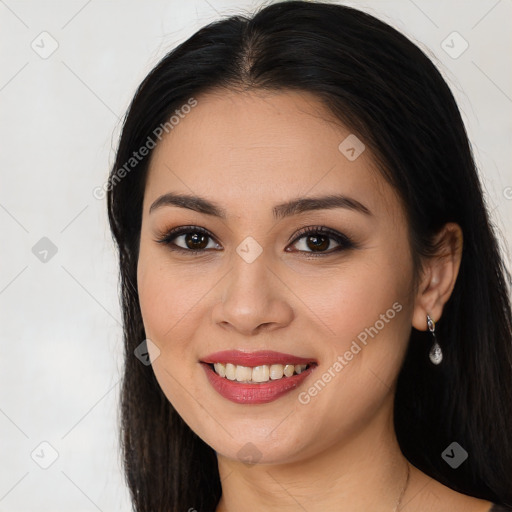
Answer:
(244, 392)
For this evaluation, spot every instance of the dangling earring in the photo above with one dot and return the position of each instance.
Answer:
(435, 354)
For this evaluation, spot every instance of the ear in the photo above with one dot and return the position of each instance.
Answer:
(439, 275)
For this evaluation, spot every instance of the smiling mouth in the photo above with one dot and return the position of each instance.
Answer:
(258, 374)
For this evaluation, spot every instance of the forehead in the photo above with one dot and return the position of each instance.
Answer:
(242, 147)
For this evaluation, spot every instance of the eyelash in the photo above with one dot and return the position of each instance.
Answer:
(343, 241)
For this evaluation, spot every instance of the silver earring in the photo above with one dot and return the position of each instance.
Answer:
(435, 354)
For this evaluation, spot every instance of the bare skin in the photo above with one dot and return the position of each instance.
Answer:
(248, 152)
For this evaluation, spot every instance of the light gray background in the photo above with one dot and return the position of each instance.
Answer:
(59, 122)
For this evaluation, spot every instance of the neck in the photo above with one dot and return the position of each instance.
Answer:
(366, 472)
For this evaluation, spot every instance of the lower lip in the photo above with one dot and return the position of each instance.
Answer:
(242, 393)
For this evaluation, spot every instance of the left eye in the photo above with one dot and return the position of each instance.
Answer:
(318, 240)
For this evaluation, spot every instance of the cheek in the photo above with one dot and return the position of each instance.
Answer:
(167, 298)
(348, 300)
(168, 294)
(152, 298)
(368, 310)
(367, 307)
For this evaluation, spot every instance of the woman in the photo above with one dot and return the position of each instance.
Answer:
(308, 264)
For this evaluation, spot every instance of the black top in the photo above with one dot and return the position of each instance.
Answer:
(500, 508)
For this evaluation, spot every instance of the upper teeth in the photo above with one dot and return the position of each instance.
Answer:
(262, 373)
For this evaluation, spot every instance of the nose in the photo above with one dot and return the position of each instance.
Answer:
(253, 299)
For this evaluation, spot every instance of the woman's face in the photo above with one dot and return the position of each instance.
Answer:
(339, 301)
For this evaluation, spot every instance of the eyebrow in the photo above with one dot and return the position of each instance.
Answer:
(286, 209)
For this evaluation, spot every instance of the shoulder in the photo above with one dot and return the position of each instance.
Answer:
(430, 494)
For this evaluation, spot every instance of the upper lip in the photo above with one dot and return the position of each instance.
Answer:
(259, 358)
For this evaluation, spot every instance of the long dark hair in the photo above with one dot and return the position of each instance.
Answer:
(382, 86)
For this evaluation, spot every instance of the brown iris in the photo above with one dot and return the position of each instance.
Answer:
(196, 241)
(319, 242)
